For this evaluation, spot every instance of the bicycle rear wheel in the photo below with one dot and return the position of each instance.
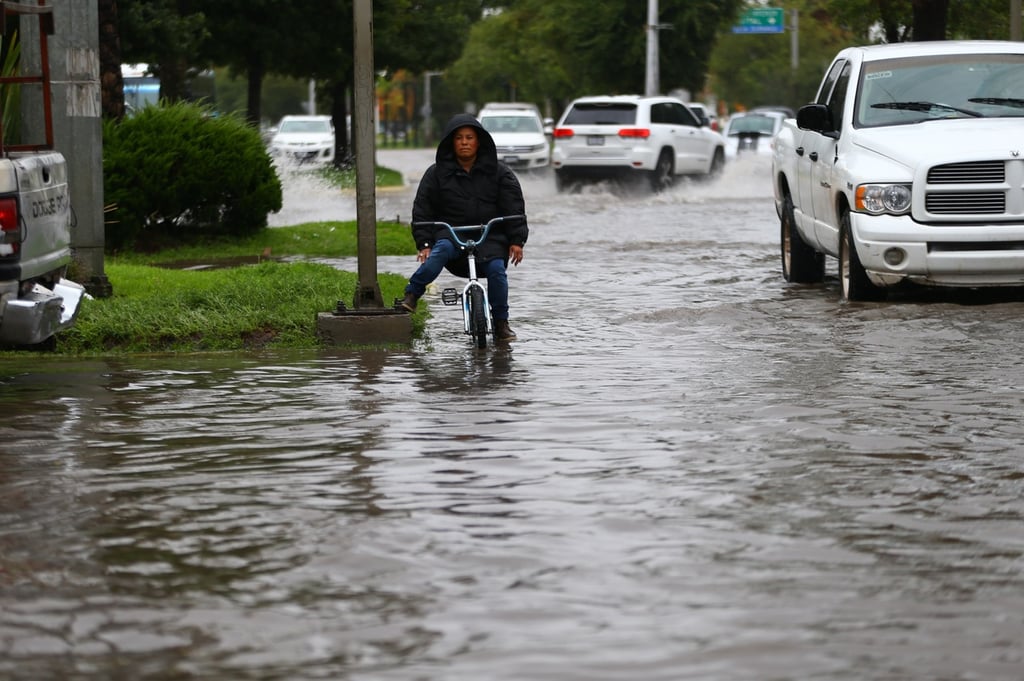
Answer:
(478, 316)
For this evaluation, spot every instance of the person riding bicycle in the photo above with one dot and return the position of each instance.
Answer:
(468, 185)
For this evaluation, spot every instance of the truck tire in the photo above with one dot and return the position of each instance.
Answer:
(854, 284)
(801, 264)
(717, 164)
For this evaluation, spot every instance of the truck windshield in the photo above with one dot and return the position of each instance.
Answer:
(914, 89)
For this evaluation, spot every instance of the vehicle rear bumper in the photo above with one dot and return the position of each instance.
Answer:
(625, 159)
(596, 173)
(42, 313)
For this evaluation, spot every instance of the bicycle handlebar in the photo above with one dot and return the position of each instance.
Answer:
(469, 243)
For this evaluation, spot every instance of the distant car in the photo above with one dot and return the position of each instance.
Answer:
(751, 133)
(705, 113)
(518, 133)
(303, 140)
(784, 110)
(630, 136)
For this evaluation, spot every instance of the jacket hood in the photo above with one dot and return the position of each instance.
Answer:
(486, 155)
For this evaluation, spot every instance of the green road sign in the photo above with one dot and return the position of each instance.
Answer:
(761, 20)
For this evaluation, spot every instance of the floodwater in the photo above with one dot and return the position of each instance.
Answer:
(684, 469)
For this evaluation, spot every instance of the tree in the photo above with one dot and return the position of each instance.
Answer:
(111, 83)
(749, 70)
(249, 35)
(559, 49)
(758, 66)
(166, 34)
(894, 21)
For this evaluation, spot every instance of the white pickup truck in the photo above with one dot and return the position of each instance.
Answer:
(908, 167)
(36, 301)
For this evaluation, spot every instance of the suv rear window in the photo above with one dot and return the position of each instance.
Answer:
(601, 114)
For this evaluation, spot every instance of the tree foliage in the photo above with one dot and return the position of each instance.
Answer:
(175, 174)
(553, 50)
(755, 69)
(166, 34)
(894, 21)
(544, 51)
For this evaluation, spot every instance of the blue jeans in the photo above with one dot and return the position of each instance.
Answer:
(493, 270)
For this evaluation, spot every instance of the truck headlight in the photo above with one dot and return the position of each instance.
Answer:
(883, 198)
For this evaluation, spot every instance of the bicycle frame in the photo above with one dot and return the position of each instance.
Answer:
(465, 297)
(451, 296)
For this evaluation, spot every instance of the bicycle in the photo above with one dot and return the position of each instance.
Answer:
(476, 317)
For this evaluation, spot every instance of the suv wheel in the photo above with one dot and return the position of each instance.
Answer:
(661, 176)
(563, 182)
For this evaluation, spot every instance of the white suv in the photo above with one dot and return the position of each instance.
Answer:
(518, 134)
(304, 140)
(656, 138)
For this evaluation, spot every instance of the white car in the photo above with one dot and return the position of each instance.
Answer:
(630, 136)
(751, 133)
(705, 114)
(518, 133)
(304, 140)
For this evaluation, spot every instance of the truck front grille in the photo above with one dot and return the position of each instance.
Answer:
(965, 203)
(976, 188)
(975, 172)
(515, 149)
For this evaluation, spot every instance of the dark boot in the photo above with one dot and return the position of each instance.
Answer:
(409, 302)
(502, 331)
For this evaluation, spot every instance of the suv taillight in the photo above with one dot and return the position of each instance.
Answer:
(10, 236)
(563, 132)
(635, 132)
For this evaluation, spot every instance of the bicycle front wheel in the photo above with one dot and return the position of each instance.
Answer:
(478, 316)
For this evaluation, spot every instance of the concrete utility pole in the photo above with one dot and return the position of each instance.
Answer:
(652, 85)
(368, 294)
(370, 323)
(77, 128)
(1015, 10)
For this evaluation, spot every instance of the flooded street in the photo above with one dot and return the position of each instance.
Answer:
(684, 469)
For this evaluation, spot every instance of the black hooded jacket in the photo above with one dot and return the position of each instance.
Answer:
(447, 193)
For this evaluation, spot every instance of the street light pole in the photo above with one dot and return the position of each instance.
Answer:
(428, 111)
(652, 84)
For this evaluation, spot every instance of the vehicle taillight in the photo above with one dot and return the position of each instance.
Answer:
(10, 236)
(643, 133)
(563, 132)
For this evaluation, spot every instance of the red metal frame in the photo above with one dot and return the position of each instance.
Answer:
(45, 14)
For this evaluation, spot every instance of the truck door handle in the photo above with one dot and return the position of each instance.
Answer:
(814, 156)
(799, 151)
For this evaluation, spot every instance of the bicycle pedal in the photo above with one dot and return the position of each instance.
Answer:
(450, 296)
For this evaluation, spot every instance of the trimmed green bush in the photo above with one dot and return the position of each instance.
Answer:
(176, 174)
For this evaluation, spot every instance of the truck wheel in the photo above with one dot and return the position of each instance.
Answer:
(717, 164)
(853, 280)
(801, 264)
(661, 176)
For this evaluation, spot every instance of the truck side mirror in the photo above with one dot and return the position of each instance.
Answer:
(816, 117)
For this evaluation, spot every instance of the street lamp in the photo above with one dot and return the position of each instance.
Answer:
(652, 84)
(427, 111)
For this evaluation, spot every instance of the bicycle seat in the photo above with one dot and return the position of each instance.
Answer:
(459, 266)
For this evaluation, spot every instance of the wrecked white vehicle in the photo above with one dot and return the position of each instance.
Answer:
(36, 301)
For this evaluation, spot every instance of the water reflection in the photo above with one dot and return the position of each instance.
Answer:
(684, 469)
